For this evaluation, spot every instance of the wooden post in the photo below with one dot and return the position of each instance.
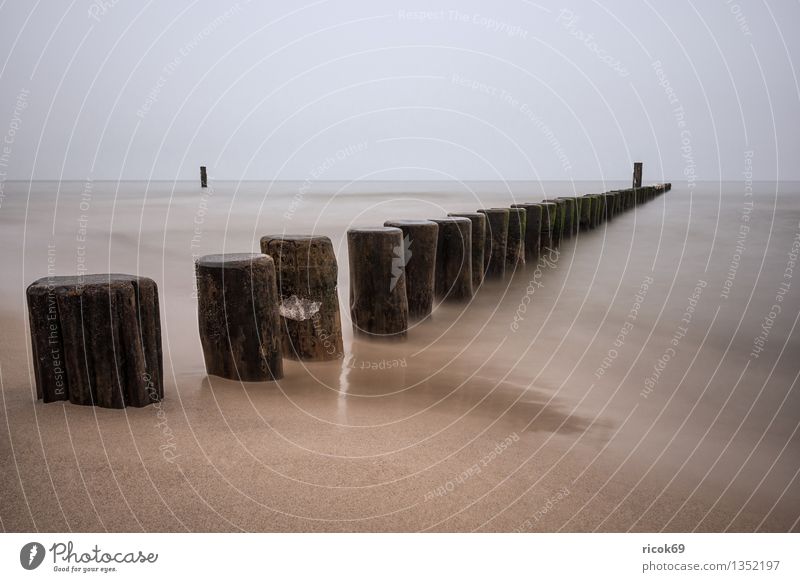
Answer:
(585, 210)
(307, 277)
(533, 230)
(515, 247)
(596, 210)
(637, 174)
(237, 309)
(419, 257)
(96, 340)
(378, 301)
(454, 259)
(571, 215)
(496, 241)
(203, 177)
(550, 225)
(478, 245)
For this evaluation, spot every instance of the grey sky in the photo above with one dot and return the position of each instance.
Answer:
(395, 90)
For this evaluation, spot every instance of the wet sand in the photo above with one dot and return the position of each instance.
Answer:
(471, 424)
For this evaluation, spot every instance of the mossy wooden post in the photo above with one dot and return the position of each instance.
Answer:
(533, 230)
(606, 202)
(585, 209)
(550, 217)
(611, 204)
(478, 244)
(203, 177)
(618, 202)
(96, 340)
(515, 246)
(307, 278)
(571, 215)
(237, 308)
(420, 238)
(378, 300)
(454, 259)
(496, 241)
(561, 217)
(595, 211)
(637, 174)
(625, 199)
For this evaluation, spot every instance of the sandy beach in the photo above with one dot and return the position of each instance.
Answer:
(631, 392)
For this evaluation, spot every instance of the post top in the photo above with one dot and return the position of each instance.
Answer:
(303, 238)
(388, 230)
(451, 220)
(409, 222)
(494, 210)
(232, 260)
(79, 281)
(467, 215)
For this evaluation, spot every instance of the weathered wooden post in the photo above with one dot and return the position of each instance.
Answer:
(585, 208)
(550, 218)
(612, 203)
(420, 238)
(619, 202)
(478, 244)
(203, 177)
(571, 215)
(607, 202)
(307, 275)
(637, 174)
(626, 199)
(237, 309)
(515, 246)
(533, 230)
(597, 209)
(496, 241)
(561, 223)
(96, 340)
(454, 259)
(378, 301)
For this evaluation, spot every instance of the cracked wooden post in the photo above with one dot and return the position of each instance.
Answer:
(419, 257)
(237, 309)
(454, 259)
(378, 301)
(203, 177)
(478, 244)
(96, 340)
(515, 246)
(637, 174)
(533, 229)
(496, 242)
(307, 279)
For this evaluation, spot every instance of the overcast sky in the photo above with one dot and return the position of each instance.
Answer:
(367, 89)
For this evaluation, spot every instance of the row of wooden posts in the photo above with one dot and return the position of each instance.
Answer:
(97, 339)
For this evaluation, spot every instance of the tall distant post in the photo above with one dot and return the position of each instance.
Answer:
(203, 177)
(637, 174)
